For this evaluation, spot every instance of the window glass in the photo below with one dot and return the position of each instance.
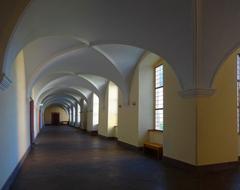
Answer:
(159, 97)
(95, 109)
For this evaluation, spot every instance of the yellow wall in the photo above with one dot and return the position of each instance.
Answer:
(179, 121)
(155, 137)
(128, 116)
(179, 136)
(217, 118)
(14, 116)
(48, 114)
(107, 121)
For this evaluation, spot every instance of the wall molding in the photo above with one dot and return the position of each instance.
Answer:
(198, 92)
(107, 138)
(5, 82)
(16, 171)
(129, 146)
(200, 170)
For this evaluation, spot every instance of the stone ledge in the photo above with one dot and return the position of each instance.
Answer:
(198, 92)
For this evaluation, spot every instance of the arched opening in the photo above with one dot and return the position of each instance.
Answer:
(55, 115)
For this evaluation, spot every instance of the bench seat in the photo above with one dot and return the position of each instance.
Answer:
(153, 146)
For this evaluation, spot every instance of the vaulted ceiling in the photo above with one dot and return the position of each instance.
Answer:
(73, 48)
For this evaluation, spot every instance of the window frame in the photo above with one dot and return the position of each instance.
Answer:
(154, 96)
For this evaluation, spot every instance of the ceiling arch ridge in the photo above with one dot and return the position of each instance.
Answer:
(101, 88)
(52, 90)
(58, 84)
(67, 53)
(48, 62)
(66, 78)
(56, 104)
(75, 94)
(60, 95)
(122, 88)
(46, 94)
(98, 79)
(60, 99)
(8, 62)
(66, 103)
(53, 60)
(76, 80)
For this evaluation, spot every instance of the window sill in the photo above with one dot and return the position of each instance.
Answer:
(155, 130)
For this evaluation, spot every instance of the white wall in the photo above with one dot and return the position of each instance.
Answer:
(14, 116)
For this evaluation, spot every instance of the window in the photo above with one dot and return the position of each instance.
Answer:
(238, 91)
(74, 114)
(79, 113)
(112, 105)
(70, 115)
(95, 110)
(158, 92)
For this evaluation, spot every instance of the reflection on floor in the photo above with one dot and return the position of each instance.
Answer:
(66, 158)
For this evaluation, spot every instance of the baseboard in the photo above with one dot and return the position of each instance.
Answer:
(15, 172)
(178, 164)
(201, 169)
(93, 133)
(129, 146)
(108, 138)
(218, 167)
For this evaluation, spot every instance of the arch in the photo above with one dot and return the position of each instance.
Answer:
(56, 104)
(232, 50)
(58, 96)
(74, 81)
(59, 99)
(111, 73)
(92, 34)
(69, 90)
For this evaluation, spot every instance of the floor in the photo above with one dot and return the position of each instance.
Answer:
(66, 158)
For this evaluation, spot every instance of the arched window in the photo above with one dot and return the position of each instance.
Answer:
(95, 110)
(158, 92)
(79, 113)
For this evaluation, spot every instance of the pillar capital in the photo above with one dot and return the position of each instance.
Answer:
(5, 82)
(197, 92)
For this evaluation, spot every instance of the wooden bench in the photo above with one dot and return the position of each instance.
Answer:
(153, 146)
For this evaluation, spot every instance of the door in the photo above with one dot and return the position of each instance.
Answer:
(55, 118)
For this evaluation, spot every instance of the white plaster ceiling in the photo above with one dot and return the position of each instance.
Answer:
(99, 41)
(61, 90)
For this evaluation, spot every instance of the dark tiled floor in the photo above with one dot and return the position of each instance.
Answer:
(65, 158)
